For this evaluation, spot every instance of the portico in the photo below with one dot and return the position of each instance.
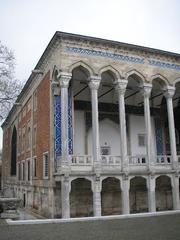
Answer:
(97, 132)
(132, 98)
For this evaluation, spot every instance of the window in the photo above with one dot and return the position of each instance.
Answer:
(29, 105)
(34, 167)
(23, 138)
(45, 165)
(19, 140)
(28, 136)
(24, 112)
(35, 100)
(23, 171)
(28, 170)
(105, 150)
(141, 140)
(34, 135)
(19, 171)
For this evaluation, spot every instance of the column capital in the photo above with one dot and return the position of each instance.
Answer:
(146, 89)
(120, 85)
(94, 82)
(55, 88)
(64, 79)
(169, 92)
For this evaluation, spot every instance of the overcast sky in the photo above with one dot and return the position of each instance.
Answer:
(26, 26)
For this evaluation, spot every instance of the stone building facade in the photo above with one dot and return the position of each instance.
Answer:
(95, 130)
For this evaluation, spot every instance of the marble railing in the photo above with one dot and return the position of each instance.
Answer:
(163, 159)
(110, 160)
(137, 160)
(81, 160)
(87, 160)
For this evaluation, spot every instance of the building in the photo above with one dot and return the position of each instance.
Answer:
(95, 130)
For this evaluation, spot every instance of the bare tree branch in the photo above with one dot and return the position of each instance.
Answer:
(9, 86)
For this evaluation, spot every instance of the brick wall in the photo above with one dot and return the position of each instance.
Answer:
(43, 123)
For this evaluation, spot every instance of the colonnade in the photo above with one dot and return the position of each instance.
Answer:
(120, 86)
(124, 187)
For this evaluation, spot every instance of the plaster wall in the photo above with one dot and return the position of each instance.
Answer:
(137, 126)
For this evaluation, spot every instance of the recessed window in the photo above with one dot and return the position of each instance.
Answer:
(28, 169)
(34, 167)
(35, 100)
(141, 140)
(45, 165)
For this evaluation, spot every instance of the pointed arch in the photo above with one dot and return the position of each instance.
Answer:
(177, 80)
(137, 75)
(83, 65)
(115, 73)
(13, 151)
(163, 82)
(54, 72)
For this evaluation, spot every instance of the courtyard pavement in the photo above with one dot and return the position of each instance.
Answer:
(165, 227)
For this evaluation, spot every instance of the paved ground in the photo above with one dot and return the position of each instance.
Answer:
(145, 228)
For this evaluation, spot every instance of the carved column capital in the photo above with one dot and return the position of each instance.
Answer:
(55, 88)
(64, 79)
(169, 92)
(120, 86)
(94, 82)
(146, 90)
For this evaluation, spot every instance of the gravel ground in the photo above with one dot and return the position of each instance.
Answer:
(148, 228)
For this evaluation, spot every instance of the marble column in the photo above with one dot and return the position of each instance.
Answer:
(65, 203)
(125, 187)
(146, 91)
(120, 86)
(169, 93)
(64, 80)
(94, 83)
(151, 194)
(97, 198)
(175, 192)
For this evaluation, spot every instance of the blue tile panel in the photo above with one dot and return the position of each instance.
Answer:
(70, 127)
(57, 125)
(159, 136)
(123, 57)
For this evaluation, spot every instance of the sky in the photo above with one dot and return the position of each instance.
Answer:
(27, 26)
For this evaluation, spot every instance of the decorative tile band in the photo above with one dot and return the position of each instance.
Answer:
(114, 56)
(122, 57)
(164, 64)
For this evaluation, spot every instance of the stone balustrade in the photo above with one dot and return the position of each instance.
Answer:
(112, 160)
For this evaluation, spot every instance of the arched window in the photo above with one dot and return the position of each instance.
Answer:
(13, 151)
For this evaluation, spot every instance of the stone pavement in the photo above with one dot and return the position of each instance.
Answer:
(166, 227)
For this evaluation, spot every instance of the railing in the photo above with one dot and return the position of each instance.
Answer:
(137, 160)
(87, 160)
(81, 160)
(163, 159)
(110, 160)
